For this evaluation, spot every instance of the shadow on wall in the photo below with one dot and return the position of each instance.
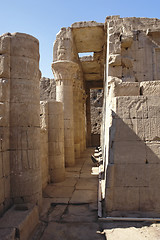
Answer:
(133, 172)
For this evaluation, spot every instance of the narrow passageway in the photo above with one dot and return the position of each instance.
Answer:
(70, 207)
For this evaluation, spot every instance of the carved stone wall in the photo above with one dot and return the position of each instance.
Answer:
(47, 89)
(130, 131)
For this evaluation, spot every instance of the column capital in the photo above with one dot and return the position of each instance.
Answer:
(64, 70)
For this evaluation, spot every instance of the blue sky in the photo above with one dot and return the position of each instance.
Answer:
(44, 19)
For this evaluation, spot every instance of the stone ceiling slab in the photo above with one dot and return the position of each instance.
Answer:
(92, 76)
(89, 39)
(91, 67)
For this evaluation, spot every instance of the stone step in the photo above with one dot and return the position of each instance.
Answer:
(19, 222)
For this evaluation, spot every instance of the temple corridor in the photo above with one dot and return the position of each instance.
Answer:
(69, 208)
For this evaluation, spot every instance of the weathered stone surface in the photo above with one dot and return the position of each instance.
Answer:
(8, 233)
(47, 89)
(83, 196)
(128, 152)
(125, 89)
(62, 192)
(4, 66)
(25, 120)
(70, 230)
(88, 39)
(79, 214)
(24, 222)
(24, 45)
(150, 88)
(123, 199)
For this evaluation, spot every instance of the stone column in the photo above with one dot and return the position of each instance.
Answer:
(76, 118)
(84, 120)
(25, 164)
(44, 142)
(56, 141)
(64, 72)
(88, 118)
(4, 122)
(81, 119)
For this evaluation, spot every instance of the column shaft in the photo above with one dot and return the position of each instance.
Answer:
(25, 163)
(88, 118)
(64, 72)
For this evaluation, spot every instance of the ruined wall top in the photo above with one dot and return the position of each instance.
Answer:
(132, 23)
(64, 48)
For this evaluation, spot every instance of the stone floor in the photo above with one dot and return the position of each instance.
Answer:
(70, 210)
(70, 207)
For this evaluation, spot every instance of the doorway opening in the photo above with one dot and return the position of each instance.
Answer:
(96, 104)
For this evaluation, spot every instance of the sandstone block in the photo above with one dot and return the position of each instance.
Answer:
(24, 45)
(24, 68)
(127, 62)
(128, 152)
(57, 175)
(67, 124)
(115, 48)
(55, 107)
(24, 91)
(55, 148)
(131, 175)
(69, 142)
(4, 114)
(149, 128)
(115, 60)
(23, 221)
(7, 187)
(153, 112)
(2, 189)
(153, 152)
(1, 164)
(126, 89)
(7, 233)
(135, 129)
(44, 116)
(109, 195)
(115, 71)
(55, 135)
(55, 121)
(28, 161)
(43, 136)
(56, 161)
(24, 114)
(149, 199)
(126, 41)
(22, 138)
(4, 66)
(154, 175)
(6, 163)
(131, 107)
(4, 139)
(4, 90)
(4, 44)
(68, 133)
(110, 175)
(150, 88)
(27, 186)
(126, 199)
(124, 130)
